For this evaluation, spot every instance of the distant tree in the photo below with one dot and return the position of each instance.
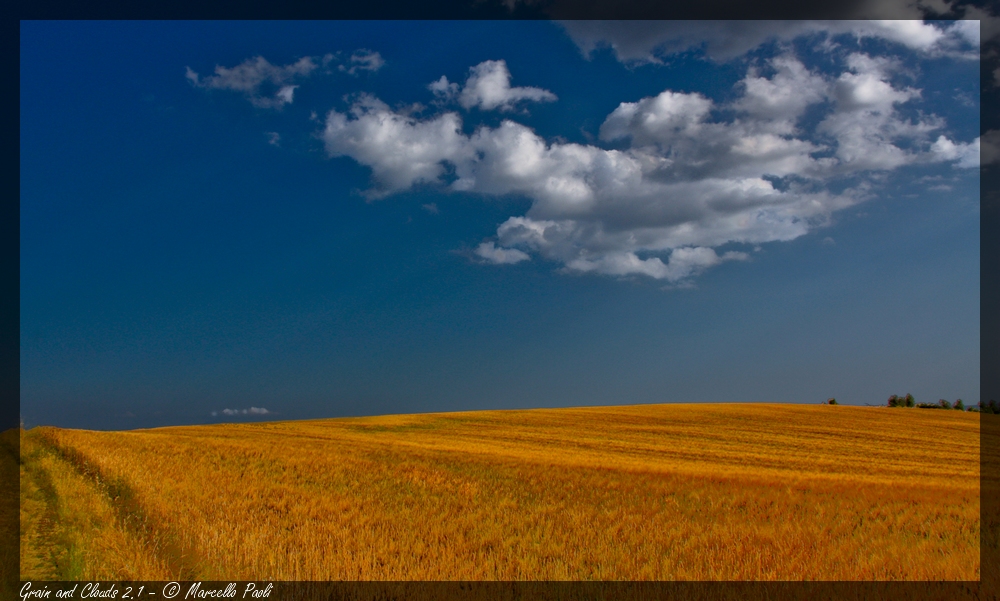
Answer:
(993, 407)
(960, 405)
(944, 404)
(831, 401)
(901, 401)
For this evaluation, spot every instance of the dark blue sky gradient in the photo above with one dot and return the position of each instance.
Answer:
(173, 263)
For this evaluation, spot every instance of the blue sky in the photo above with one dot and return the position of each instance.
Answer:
(350, 218)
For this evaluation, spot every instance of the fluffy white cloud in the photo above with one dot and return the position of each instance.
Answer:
(401, 150)
(674, 131)
(964, 155)
(662, 118)
(252, 75)
(684, 262)
(682, 178)
(443, 89)
(914, 33)
(781, 99)
(967, 30)
(866, 123)
(488, 88)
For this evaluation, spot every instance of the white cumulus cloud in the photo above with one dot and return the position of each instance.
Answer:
(400, 149)
(866, 123)
(964, 155)
(443, 89)
(488, 88)
(684, 262)
(677, 176)
(781, 99)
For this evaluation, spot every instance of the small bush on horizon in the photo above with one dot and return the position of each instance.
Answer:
(898, 401)
(832, 401)
(960, 405)
(944, 404)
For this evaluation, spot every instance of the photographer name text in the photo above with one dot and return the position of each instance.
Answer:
(171, 590)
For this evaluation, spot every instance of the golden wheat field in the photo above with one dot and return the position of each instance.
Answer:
(652, 492)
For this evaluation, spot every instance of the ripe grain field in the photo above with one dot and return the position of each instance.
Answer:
(651, 492)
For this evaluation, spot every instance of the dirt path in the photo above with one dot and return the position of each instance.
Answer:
(45, 551)
(78, 524)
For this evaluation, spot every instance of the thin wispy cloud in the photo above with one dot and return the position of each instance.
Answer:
(265, 85)
(271, 86)
(248, 411)
(500, 256)
(363, 60)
